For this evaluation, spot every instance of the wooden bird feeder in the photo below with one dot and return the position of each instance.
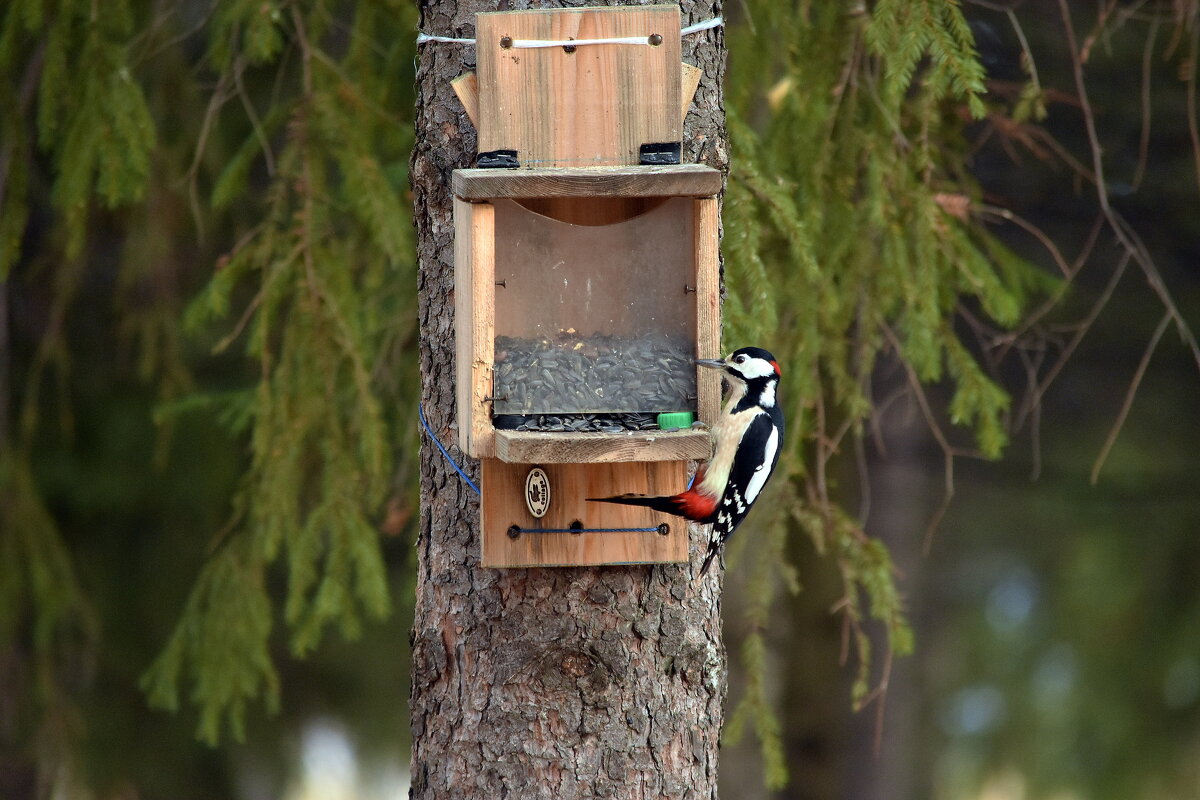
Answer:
(586, 285)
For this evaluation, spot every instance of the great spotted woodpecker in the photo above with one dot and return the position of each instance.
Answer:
(748, 437)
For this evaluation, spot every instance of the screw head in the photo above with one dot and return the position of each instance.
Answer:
(655, 39)
(506, 42)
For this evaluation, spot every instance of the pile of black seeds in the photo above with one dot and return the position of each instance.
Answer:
(580, 423)
(600, 375)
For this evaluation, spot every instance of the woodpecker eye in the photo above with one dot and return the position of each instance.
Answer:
(740, 359)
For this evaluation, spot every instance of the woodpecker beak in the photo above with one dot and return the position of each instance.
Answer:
(714, 363)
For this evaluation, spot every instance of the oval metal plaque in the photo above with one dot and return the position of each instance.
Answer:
(537, 492)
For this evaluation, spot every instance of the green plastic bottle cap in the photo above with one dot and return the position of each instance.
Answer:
(676, 419)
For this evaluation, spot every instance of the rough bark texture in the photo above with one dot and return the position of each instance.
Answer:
(544, 683)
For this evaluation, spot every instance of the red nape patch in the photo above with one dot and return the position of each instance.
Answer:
(775, 364)
(696, 505)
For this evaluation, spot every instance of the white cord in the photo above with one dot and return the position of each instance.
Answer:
(715, 22)
(422, 38)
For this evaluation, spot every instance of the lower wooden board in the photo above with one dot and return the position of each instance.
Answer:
(570, 484)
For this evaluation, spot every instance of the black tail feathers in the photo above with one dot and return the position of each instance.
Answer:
(667, 505)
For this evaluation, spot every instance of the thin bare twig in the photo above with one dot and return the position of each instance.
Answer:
(1144, 141)
(1052, 302)
(220, 96)
(864, 479)
(1104, 28)
(1179, 18)
(1125, 233)
(948, 450)
(255, 122)
(1032, 366)
(885, 680)
(1035, 398)
(879, 410)
(997, 6)
(1190, 84)
(8, 151)
(5, 366)
(822, 449)
(1036, 139)
(159, 20)
(1038, 233)
(986, 337)
(842, 606)
(248, 313)
(1111, 439)
(309, 206)
(1025, 49)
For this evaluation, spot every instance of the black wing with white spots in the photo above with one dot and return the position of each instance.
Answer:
(753, 464)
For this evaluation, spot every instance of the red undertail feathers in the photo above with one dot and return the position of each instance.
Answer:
(692, 504)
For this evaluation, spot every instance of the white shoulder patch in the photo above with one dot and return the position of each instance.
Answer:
(767, 398)
(764, 470)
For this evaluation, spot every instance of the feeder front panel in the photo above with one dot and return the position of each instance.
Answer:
(595, 318)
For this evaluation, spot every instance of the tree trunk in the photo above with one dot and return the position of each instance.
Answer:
(540, 683)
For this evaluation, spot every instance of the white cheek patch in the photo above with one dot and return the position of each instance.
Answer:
(756, 368)
(764, 470)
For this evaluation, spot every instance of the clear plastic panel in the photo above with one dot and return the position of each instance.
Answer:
(595, 318)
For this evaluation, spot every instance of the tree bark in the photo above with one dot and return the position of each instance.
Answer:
(544, 683)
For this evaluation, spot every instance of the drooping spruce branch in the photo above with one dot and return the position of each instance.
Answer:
(327, 265)
(68, 97)
(291, 102)
(845, 246)
(856, 235)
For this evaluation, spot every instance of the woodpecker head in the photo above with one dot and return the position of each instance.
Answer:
(750, 370)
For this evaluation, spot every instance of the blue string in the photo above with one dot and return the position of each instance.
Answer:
(457, 468)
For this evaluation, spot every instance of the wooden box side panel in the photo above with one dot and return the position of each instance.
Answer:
(708, 306)
(594, 106)
(570, 485)
(474, 323)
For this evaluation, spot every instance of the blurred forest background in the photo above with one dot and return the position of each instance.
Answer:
(208, 425)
